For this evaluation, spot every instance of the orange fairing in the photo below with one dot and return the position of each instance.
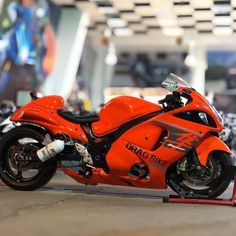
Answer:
(207, 145)
(121, 159)
(120, 110)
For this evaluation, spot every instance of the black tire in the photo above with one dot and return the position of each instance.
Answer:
(222, 163)
(8, 166)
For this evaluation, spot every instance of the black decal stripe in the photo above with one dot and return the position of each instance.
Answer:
(123, 128)
(160, 140)
(97, 144)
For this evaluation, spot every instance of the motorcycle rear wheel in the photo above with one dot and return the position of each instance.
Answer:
(15, 171)
(216, 185)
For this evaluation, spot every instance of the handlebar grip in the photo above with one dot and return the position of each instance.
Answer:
(167, 99)
(162, 101)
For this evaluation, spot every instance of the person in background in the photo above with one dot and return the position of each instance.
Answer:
(27, 44)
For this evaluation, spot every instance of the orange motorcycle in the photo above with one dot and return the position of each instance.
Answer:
(131, 142)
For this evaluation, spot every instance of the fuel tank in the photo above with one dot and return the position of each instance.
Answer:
(120, 110)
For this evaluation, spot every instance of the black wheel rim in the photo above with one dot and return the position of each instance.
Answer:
(184, 188)
(13, 167)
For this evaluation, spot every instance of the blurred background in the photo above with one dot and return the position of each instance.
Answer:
(89, 51)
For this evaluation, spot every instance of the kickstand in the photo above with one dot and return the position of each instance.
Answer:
(226, 202)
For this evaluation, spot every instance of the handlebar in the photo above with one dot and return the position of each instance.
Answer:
(167, 99)
(171, 101)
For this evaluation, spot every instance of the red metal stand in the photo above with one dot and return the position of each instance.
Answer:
(226, 202)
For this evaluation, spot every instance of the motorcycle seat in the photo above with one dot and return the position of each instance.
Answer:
(77, 119)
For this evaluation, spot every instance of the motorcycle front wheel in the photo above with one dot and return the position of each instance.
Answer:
(19, 169)
(194, 182)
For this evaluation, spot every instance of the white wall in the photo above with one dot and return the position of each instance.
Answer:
(70, 41)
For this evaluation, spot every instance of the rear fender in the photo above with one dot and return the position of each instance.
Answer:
(209, 144)
(50, 121)
(33, 115)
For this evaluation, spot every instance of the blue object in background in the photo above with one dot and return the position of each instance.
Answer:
(224, 58)
(22, 44)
